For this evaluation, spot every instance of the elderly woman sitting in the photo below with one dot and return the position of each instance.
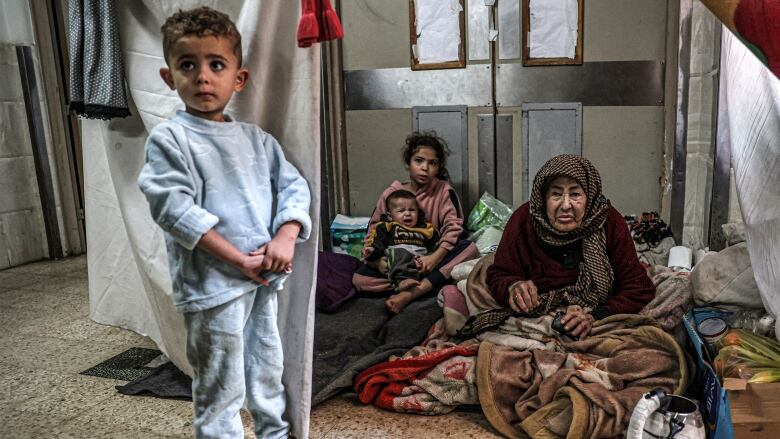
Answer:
(569, 247)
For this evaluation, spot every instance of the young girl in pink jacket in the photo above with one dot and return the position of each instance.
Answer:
(425, 155)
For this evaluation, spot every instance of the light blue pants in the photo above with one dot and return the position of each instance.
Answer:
(235, 351)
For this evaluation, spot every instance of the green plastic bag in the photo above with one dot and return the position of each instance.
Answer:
(489, 211)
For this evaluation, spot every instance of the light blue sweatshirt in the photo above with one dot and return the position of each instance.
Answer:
(200, 175)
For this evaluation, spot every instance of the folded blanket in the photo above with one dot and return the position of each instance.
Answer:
(673, 297)
(588, 391)
(433, 383)
(655, 255)
(361, 334)
(334, 280)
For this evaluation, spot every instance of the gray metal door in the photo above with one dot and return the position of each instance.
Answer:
(451, 124)
(549, 130)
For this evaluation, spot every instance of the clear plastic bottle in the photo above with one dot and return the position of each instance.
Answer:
(756, 321)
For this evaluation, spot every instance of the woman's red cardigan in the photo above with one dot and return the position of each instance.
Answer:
(520, 257)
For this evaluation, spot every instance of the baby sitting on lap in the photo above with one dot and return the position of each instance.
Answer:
(396, 243)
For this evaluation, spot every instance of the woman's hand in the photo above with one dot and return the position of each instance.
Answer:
(523, 296)
(366, 252)
(577, 322)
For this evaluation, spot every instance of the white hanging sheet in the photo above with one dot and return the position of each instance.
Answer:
(128, 272)
(752, 113)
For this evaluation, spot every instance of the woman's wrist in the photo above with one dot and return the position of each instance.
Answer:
(517, 282)
(509, 289)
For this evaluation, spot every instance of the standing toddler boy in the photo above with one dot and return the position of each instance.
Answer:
(211, 184)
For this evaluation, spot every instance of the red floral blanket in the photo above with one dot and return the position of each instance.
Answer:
(433, 383)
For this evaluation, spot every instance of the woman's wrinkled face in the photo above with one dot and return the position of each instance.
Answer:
(565, 201)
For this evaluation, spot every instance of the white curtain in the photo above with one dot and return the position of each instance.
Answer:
(752, 116)
(128, 273)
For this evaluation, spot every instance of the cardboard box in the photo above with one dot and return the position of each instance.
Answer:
(755, 408)
(347, 234)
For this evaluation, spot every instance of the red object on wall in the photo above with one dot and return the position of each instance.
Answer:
(319, 22)
(758, 21)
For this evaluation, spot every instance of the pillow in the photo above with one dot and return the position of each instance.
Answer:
(334, 280)
(725, 280)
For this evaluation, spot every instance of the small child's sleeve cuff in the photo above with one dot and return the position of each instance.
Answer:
(192, 225)
(298, 215)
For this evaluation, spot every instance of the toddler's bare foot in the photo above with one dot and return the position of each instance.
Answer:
(398, 302)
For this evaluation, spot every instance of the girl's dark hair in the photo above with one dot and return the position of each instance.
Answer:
(431, 140)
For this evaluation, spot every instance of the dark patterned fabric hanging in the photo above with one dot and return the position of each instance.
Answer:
(97, 79)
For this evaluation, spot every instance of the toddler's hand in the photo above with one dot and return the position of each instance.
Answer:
(279, 251)
(277, 256)
(382, 265)
(366, 252)
(251, 267)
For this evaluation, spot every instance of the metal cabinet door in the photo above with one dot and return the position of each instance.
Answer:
(451, 124)
(549, 130)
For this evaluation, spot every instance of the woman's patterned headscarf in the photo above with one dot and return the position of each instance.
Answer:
(594, 282)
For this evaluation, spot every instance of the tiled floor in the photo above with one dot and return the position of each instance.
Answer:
(46, 338)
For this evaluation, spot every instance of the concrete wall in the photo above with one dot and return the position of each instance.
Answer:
(626, 143)
(626, 146)
(374, 142)
(624, 30)
(22, 230)
(22, 234)
(376, 34)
